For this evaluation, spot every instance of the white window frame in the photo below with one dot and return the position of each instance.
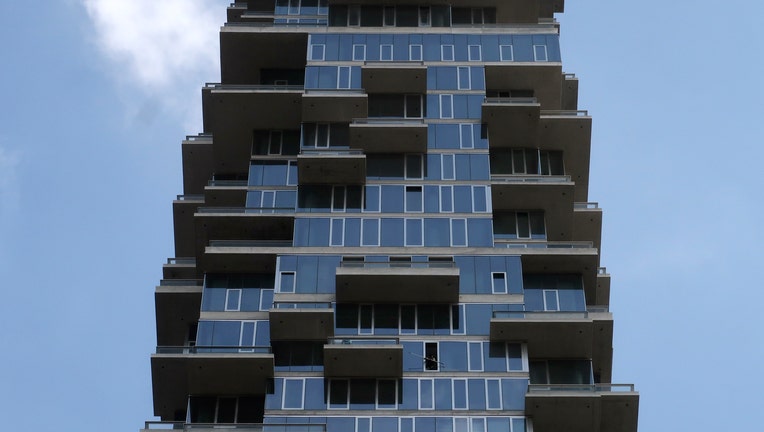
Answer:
(419, 389)
(443, 158)
(446, 100)
(294, 278)
(349, 71)
(406, 97)
(406, 208)
(335, 190)
(479, 52)
(506, 283)
(487, 393)
(342, 231)
(461, 308)
(354, 13)
(405, 232)
(462, 70)
(261, 306)
(447, 49)
(376, 395)
(228, 292)
(476, 190)
(411, 419)
(329, 396)
(241, 336)
(381, 50)
(264, 203)
(466, 394)
(523, 356)
(449, 190)
(451, 234)
(437, 356)
(379, 199)
(511, 53)
(470, 366)
(384, 15)
(357, 419)
(466, 421)
(283, 393)
(363, 51)
(556, 296)
(363, 223)
(413, 49)
(471, 132)
(313, 57)
(536, 56)
(279, 141)
(406, 168)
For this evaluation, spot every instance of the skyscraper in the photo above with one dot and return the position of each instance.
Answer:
(386, 227)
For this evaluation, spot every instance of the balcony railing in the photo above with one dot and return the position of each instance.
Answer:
(397, 264)
(301, 305)
(602, 270)
(512, 178)
(330, 151)
(388, 121)
(565, 113)
(541, 315)
(199, 137)
(586, 205)
(194, 197)
(213, 349)
(511, 100)
(181, 282)
(181, 260)
(254, 87)
(393, 64)
(250, 243)
(215, 182)
(239, 427)
(245, 210)
(335, 92)
(580, 388)
(504, 243)
(363, 341)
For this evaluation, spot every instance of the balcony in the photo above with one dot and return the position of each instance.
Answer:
(569, 132)
(231, 112)
(236, 427)
(569, 92)
(397, 282)
(582, 407)
(242, 223)
(296, 321)
(512, 121)
(586, 334)
(516, 11)
(176, 303)
(331, 167)
(359, 357)
(335, 106)
(602, 293)
(226, 193)
(394, 77)
(179, 268)
(183, 210)
(197, 162)
(587, 223)
(246, 50)
(243, 256)
(544, 79)
(563, 257)
(179, 371)
(389, 135)
(552, 194)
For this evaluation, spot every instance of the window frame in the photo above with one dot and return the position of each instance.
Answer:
(279, 288)
(284, 393)
(511, 52)
(412, 48)
(331, 231)
(536, 53)
(447, 49)
(446, 101)
(363, 50)
(503, 275)
(228, 291)
(479, 53)
(313, 57)
(451, 233)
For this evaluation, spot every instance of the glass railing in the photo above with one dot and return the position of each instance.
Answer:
(239, 427)
(393, 64)
(213, 349)
(181, 261)
(181, 282)
(250, 87)
(581, 388)
(541, 315)
(330, 151)
(586, 205)
(301, 305)
(505, 243)
(363, 341)
(244, 210)
(397, 264)
(565, 113)
(194, 197)
(215, 182)
(388, 121)
(512, 100)
(522, 178)
(336, 92)
(250, 243)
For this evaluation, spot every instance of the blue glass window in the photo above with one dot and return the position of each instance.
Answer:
(426, 394)
(460, 394)
(414, 234)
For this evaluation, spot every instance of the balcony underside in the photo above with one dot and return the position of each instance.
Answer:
(571, 135)
(242, 226)
(359, 361)
(244, 52)
(301, 324)
(511, 124)
(583, 412)
(177, 308)
(334, 106)
(554, 197)
(390, 77)
(516, 11)
(331, 168)
(390, 137)
(543, 78)
(397, 285)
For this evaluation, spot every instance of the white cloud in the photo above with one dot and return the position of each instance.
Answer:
(9, 194)
(165, 49)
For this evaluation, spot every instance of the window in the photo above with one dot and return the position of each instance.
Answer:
(499, 283)
(339, 393)
(337, 232)
(426, 394)
(561, 372)
(476, 15)
(448, 170)
(539, 53)
(389, 16)
(458, 232)
(413, 199)
(233, 300)
(212, 409)
(424, 16)
(324, 135)
(343, 77)
(414, 167)
(286, 282)
(415, 52)
(431, 362)
(493, 394)
(396, 105)
(466, 136)
(475, 356)
(519, 225)
(414, 232)
(293, 393)
(359, 52)
(446, 199)
(551, 300)
(475, 52)
(506, 53)
(408, 319)
(459, 394)
(354, 15)
(480, 199)
(317, 52)
(386, 52)
(447, 53)
(446, 106)
(463, 78)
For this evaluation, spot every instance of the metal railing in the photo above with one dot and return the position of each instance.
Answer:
(330, 151)
(239, 427)
(213, 349)
(522, 243)
(542, 315)
(336, 92)
(301, 305)
(564, 113)
(181, 282)
(363, 341)
(250, 243)
(181, 260)
(246, 210)
(190, 197)
(512, 100)
(255, 87)
(579, 388)
(199, 137)
(388, 121)
(586, 205)
(393, 64)
(512, 178)
(398, 264)
(238, 183)
(602, 270)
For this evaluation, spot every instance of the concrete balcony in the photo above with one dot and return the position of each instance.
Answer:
(183, 210)
(394, 77)
(176, 304)
(359, 357)
(552, 194)
(569, 132)
(587, 223)
(544, 79)
(586, 334)
(242, 223)
(562, 257)
(334, 106)
(512, 122)
(331, 167)
(181, 371)
(582, 407)
(197, 153)
(601, 295)
(569, 92)
(516, 11)
(235, 427)
(218, 194)
(243, 256)
(246, 50)
(397, 282)
(389, 135)
(180, 268)
(301, 321)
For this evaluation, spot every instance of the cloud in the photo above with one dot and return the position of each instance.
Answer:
(9, 194)
(165, 49)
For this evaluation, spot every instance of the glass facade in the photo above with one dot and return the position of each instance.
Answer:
(445, 285)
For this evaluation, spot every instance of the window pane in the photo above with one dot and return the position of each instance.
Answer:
(287, 282)
(414, 166)
(408, 319)
(232, 303)
(338, 392)
(414, 106)
(413, 232)
(425, 394)
(494, 394)
(386, 393)
(460, 394)
(293, 389)
(366, 318)
(413, 198)
(523, 225)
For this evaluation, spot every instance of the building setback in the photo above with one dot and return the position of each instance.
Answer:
(386, 227)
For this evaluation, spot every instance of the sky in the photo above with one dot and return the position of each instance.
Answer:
(100, 94)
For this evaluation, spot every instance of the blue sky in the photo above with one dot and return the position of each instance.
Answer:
(99, 94)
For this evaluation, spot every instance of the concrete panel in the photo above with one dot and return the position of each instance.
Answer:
(331, 168)
(301, 324)
(359, 360)
(397, 284)
(339, 106)
(394, 77)
(389, 135)
(511, 122)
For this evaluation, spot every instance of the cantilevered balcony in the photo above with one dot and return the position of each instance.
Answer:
(183, 209)
(176, 303)
(179, 371)
(560, 335)
(394, 77)
(246, 50)
(331, 166)
(582, 407)
(515, 12)
(600, 296)
(564, 257)
(180, 268)
(389, 135)
(543, 78)
(587, 223)
(552, 194)
(397, 282)
(569, 132)
(198, 166)
(334, 105)
(234, 427)
(243, 256)
(225, 194)
(301, 320)
(248, 223)
(363, 357)
(511, 121)
(569, 92)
